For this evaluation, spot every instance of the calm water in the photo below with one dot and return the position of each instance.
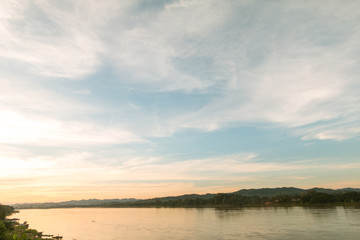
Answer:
(196, 224)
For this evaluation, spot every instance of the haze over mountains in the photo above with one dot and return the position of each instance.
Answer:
(263, 192)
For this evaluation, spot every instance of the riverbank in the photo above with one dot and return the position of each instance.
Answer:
(13, 229)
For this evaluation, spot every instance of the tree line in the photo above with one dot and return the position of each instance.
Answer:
(223, 199)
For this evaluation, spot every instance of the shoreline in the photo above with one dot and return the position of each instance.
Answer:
(275, 205)
(12, 229)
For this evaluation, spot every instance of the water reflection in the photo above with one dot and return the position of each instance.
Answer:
(352, 215)
(229, 213)
(322, 212)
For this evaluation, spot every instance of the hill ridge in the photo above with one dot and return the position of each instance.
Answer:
(252, 192)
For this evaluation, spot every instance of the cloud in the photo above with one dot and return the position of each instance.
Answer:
(305, 73)
(222, 168)
(154, 47)
(54, 39)
(17, 128)
(340, 130)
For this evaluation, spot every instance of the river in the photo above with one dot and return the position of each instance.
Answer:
(196, 224)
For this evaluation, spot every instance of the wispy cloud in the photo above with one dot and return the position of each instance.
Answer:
(48, 38)
(20, 129)
(304, 72)
(301, 75)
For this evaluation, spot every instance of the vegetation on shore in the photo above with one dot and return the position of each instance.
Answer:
(12, 231)
(284, 196)
(310, 198)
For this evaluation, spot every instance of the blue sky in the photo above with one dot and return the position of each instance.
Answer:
(113, 99)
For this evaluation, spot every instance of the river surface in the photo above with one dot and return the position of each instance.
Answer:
(196, 224)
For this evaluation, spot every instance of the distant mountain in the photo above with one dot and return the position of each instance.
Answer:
(72, 203)
(291, 191)
(262, 192)
(349, 190)
(270, 192)
(186, 196)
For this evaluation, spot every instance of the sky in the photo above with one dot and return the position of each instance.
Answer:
(137, 98)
